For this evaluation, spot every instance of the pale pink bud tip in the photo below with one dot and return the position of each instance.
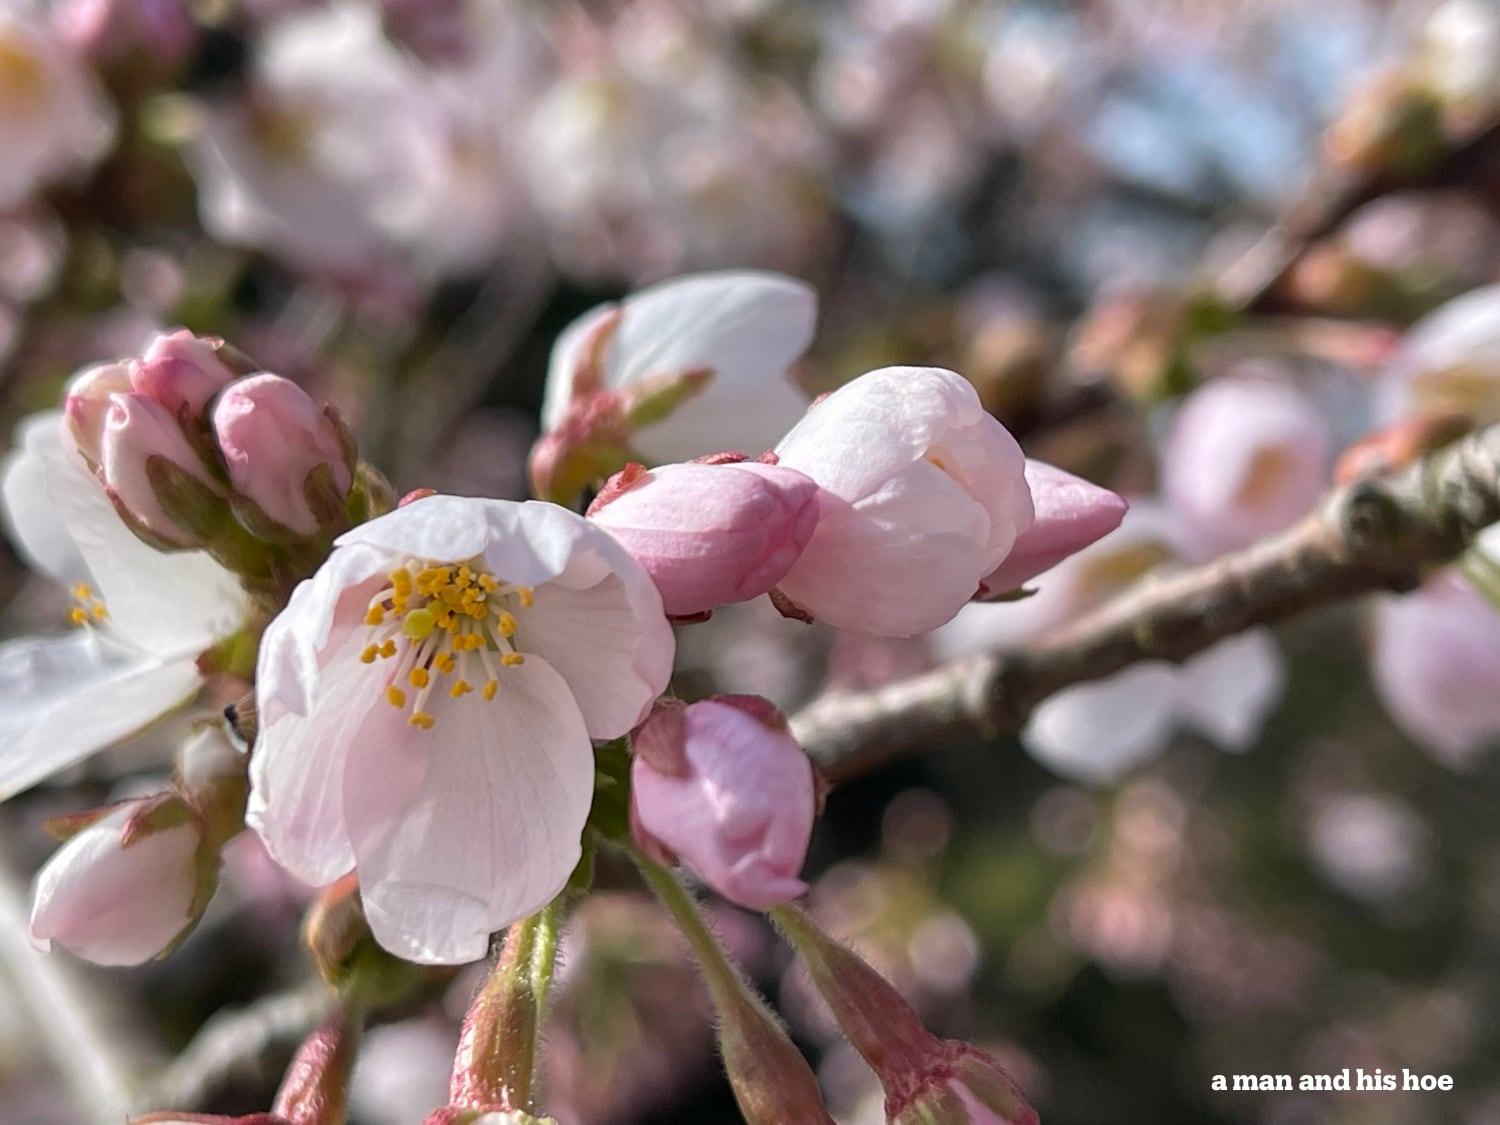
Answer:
(113, 902)
(1071, 514)
(88, 402)
(712, 534)
(182, 372)
(735, 802)
(274, 439)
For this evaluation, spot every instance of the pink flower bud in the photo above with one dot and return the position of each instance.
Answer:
(182, 372)
(1244, 458)
(118, 903)
(923, 495)
(731, 793)
(1071, 513)
(154, 475)
(710, 534)
(284, 453)
(88, 402)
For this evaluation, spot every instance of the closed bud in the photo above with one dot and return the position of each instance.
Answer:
(1071, 513)
(337, 936)
(154, 475)
(927, 1081)
(125, 888)
(285, 454)
(968, 1088)
(724, 786)
(88, 403)
(182, 372)
(771, 1080)
(710, 534)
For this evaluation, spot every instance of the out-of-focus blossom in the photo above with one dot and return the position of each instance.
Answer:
(1070, 514)
(1244, 457)
(402, 1071)
(53, 118)
(346, 155)
(1377, 848)
(1459, 56)
(649, 153)
(1098, 731)
(122, 890)
(1449, 361)
(722, 785)
(710, 535)
(923, 495)
(505, 636)
(62, 698)
(1436, 660)
(285, 453)
(739, 330)
(103, 30)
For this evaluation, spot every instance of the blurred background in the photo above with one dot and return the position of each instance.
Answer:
(1093, 210)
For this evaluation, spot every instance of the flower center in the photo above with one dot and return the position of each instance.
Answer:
(443, 620)
(87, 609)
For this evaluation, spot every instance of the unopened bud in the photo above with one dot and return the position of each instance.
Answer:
(710, 535)
(1071, 513)
(315, 1090)
(338, 938)
(285, 454)
(154, 475)
(88, 403)
(927, 1081)
(182, 372)
(125, 888)
(724, 786)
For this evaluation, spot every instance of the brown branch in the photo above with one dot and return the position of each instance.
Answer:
(1382, 534)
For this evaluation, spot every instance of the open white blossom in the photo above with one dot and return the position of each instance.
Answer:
(427, 703)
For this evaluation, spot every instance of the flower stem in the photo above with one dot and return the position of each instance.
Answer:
(495, 1067)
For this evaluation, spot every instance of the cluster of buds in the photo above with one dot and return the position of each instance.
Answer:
(196, 449)
(133, 878)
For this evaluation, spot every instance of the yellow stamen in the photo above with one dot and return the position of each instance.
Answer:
(395, 696)
(388, 649)
(507, 624)
(369, 655)
(488, 583)
(376, 616)
(421, 719)
(525, 595)
(418, 677)
(460, 688)
(78, 615)
(512, 659)
(99, 612)
(490, 689)
(83, 591)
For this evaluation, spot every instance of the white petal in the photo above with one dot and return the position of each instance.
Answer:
(1228, 690)
(600, 625)
(164, 602)
(566, 353)
(288, 663)
(873, 427)
(747, 326)
(526, 543)
(32, 519)
(64, 697)
(462, 829)
(1096, 732)
(902, 562)
(298, 764)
